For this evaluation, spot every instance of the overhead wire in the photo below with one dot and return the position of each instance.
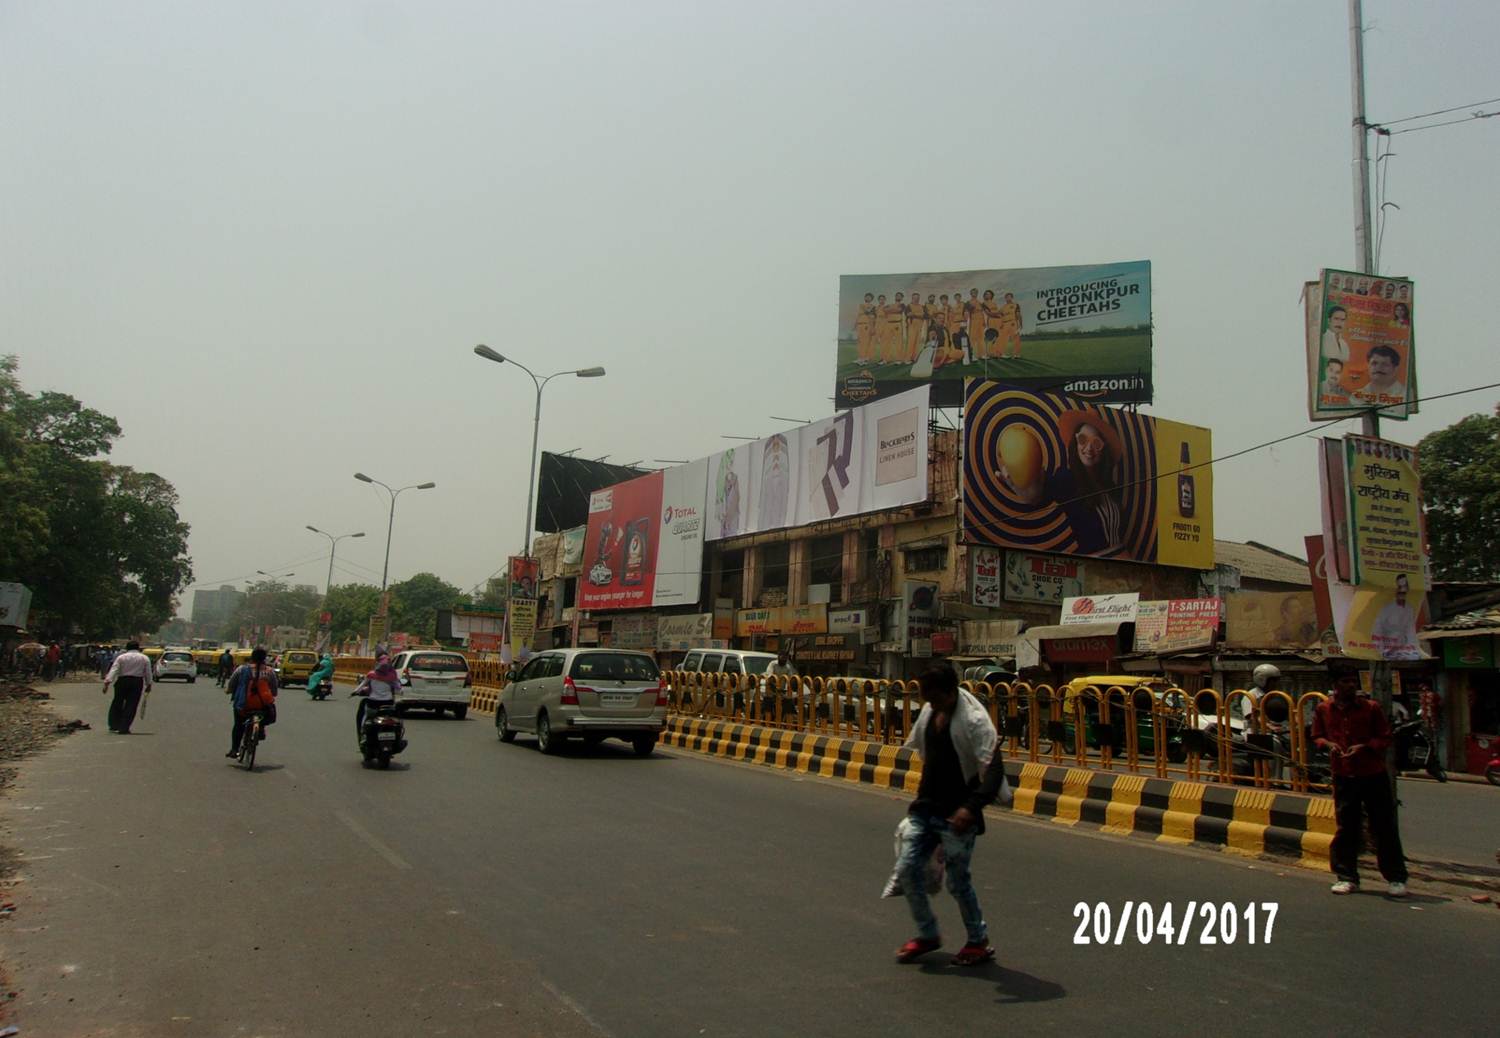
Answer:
(1440, 111)
(1451, 122)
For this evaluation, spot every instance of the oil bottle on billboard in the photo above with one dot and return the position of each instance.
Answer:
(636, 532)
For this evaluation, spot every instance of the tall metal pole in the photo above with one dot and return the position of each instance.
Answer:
(1364, 248)
(536, 432)
(386, 572)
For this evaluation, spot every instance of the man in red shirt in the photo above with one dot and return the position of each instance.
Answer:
(1355, 733)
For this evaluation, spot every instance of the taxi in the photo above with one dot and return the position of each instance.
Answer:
(296, 667)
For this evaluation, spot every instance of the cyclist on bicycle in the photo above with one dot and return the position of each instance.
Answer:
(252, 687)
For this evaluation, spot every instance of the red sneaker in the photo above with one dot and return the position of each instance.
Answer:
(974, 954)
(916, 948)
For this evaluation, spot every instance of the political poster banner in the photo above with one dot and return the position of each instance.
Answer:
(1041, 578)
(1361, 347)
(521, 618)
(1100, 609)
(525, 573)
(859, 461)
(1048, 472)
(1271, 620)
(984, 576)
(1086, 328)
(1386, 542)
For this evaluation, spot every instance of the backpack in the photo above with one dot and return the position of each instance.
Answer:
(258, 692)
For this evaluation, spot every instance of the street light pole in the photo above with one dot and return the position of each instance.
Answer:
(391, 525)
(333, 543)
(536, 424)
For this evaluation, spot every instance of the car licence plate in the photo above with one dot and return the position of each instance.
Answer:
(387, 736)
(618, 698)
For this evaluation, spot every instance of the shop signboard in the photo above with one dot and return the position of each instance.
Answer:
(633, 631)
(984, 575)
(1093, 649)
(999, 638)
(1100, 609)
(1046, 472)
(683, 632)
(751, 622)
(846, 621)
(1086, 327)
(1477, 653)
(1047, 579)
(1175, 625)
(840, 649)
(804, 619)
(724, 618)
(920, 610)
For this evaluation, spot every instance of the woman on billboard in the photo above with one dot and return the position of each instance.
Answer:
(1086, 489)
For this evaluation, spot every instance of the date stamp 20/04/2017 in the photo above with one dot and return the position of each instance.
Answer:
(1200, 923)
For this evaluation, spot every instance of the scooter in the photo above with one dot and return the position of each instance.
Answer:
(1419, 750)
(1492, 769)
(380, 734)
(320, 690)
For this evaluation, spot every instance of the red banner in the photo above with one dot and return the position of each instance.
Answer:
(619, 550)
(1317, 567)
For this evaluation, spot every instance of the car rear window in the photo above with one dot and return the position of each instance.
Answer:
(440, 661)
(614, 666)
(757, 664)
(301, 657)
(178, 656)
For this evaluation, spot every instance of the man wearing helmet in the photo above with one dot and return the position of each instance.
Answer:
(1251, 708)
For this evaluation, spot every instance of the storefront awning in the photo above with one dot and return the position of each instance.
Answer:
(1469, 632)
(1037, 635)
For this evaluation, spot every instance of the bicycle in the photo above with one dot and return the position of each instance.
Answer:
(250, 739)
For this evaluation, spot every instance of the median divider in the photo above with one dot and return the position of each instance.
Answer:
(1250, 822)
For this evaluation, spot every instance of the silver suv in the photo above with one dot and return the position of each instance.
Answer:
(588, 694)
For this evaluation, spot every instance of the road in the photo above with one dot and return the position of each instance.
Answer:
(481, 888)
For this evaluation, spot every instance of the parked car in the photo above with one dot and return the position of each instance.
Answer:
(433, 680)
(294, 667)
(587, 694)
(176, 663)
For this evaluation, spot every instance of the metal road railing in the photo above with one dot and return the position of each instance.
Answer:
(1169, 733)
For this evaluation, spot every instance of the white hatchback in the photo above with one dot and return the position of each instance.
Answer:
(434, 680)
(177, 663)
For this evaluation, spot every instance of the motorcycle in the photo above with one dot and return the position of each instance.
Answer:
(380, 733)
(1419, 752)
(320, 689)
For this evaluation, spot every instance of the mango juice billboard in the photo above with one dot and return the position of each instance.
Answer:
(1052, 473)
(644, 543)
(1083, 329)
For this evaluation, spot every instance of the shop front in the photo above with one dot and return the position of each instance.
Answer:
(1468, 687)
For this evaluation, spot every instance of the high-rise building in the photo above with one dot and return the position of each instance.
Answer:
(211, 608)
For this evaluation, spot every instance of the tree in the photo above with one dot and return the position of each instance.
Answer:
(415, 602)
(1460, 468)
(351, 606)
(270, 603)
(100, 545)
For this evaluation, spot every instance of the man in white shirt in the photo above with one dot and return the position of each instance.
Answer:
(1335, 346)
(131, 676)
(1395, 630)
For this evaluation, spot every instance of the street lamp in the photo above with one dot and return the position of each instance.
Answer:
(536, 421)
(386, 572)
(276, 576)
(333, 543)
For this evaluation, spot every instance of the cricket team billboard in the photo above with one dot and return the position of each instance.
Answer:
(1361, 348)
(861, 460)
(644, 543)
(1047, 472)
(1084, 329)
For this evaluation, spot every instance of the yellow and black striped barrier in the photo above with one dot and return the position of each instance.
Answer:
(1250, 822)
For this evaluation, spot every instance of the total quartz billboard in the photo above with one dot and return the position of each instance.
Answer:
(644, 545)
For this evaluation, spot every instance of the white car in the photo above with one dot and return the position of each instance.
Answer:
(434, 680)
(177, 663)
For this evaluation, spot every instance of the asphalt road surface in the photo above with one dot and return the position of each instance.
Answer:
(480, 888)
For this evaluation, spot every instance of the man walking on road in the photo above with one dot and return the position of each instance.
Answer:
(962, 773)
(226, 666)
(130, 674)
(1356, 733)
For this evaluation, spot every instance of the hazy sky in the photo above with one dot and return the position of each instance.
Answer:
(266, 236)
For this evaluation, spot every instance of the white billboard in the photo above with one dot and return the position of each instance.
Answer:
(679, 555)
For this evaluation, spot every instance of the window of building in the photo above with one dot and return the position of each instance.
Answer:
(773, 566)
(732, 575)
(825, 562)
(927, 560)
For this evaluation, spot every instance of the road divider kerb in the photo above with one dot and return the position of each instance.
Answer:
(1248, 822)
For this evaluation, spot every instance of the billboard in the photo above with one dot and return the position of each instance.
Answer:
(1084, 328)
(1100, 609)
(1386, 543)
(984, 576)
(1271, 620)
(862, 460)
(1361, 348)
(1176, 624)
(644, 544)
(1048, 472)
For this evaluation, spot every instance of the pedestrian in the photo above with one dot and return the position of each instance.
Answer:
(1355, 733)
(226, 666)
(131, 675)
(51, 661)
(962, 773)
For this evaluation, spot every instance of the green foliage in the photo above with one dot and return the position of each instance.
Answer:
(1460, 468)
(352, 605)
(270, 603)
(100, 545)
(415, 602)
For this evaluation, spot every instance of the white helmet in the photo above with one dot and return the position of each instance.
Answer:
(1264, 674)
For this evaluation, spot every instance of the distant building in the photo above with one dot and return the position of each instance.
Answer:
(311, 589)
(211, 608)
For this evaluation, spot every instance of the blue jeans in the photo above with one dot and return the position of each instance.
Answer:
(926, 834)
